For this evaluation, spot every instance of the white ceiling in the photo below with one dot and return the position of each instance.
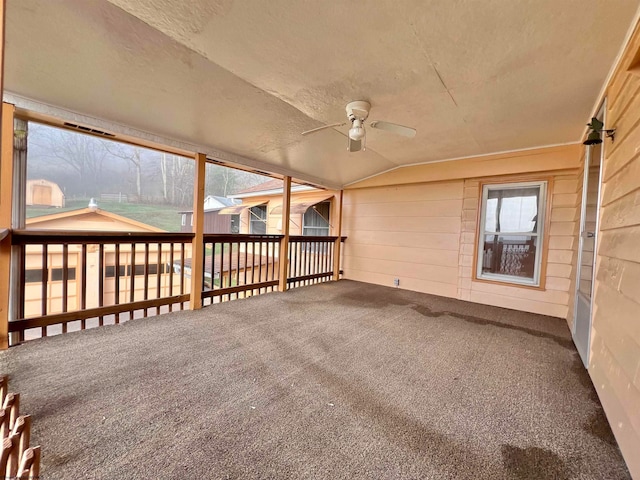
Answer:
(246, 77)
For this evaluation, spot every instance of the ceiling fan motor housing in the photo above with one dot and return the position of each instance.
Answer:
(358, 109)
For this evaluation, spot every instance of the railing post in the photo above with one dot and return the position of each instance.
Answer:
(6, 207)
(338, 245)
(283, 261)
(197, 248)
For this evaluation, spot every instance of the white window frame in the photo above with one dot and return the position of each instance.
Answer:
(307, 228)
(540, 234)
(253, 219)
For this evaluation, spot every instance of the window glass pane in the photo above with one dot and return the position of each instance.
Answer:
(56, 274)
(110, 271)
(513, 255)
(258, 220)
(512, 210)
(235, 223)
(33, 275)
(316, 220)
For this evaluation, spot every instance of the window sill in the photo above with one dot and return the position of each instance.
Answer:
(504, 283)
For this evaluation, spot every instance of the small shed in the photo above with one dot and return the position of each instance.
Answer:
(44, 193)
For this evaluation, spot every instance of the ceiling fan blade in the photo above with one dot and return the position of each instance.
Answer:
(323, 127)
(394, 128)
(354, 145)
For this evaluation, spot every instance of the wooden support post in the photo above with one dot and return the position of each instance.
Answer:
(3, 17)
(197, 248)
(338, 245)
(283, 261)
(6, 206)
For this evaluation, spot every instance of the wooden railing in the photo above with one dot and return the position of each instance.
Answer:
(77, 278)
(310, 260)
(238, 266)
(17, 459)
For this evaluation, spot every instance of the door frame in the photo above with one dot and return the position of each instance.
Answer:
(602, 113)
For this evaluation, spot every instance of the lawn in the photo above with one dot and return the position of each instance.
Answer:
(165, 217)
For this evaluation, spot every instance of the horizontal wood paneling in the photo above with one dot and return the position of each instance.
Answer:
(614, 363)
(427, 256)
(410, 232)
(618, 400)
(548, 159)
(425, 235)
(556, 297)
(385, 208)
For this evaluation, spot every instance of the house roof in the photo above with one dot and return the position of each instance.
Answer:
(240, 81)
(271, 187)
(272, 184)
(85, 217)
(224, 201)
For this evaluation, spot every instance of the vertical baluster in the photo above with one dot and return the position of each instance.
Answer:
(317, 262)
(327, 262)
(146, 275)
(65, 282)
(44, 292)
(266, 264)
(214, 248)
(101, 281)
(83, 284)
(132, 280)
(22, 257)
(221, 271)
(253, 265)
(204, 270)
(182, 248)
(171, 247)
(44, 285)
(117, 277)
(275, 248)
(303, 263)
(237, 267)
(158, 275)
(260, 267)
(230, 268)
(246, 263)
(296, 261)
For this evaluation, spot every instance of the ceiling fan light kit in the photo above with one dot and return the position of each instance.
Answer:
(357, 113)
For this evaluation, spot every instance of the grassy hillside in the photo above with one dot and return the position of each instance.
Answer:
(165, 217)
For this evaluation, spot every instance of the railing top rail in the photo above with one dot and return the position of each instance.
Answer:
(240, 237)
(314, 238)
(38, 237)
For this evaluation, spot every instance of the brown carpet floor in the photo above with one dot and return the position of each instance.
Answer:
(334, 381)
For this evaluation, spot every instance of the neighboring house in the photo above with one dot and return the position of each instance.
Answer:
(93, 219)
(260, 212)
(213, 222)
(44, 193)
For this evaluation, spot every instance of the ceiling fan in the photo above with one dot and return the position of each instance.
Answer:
(357, 113)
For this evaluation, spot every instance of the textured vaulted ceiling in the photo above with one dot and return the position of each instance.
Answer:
(246, 77)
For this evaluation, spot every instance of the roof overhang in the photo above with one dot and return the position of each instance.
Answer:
(300, 206)
(238, 209)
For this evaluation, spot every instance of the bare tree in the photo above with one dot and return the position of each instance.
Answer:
(133, 155)
(84, 154)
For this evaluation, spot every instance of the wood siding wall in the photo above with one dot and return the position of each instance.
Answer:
(410, 232)
(425, 235)
(556, 296)
(615, 340)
